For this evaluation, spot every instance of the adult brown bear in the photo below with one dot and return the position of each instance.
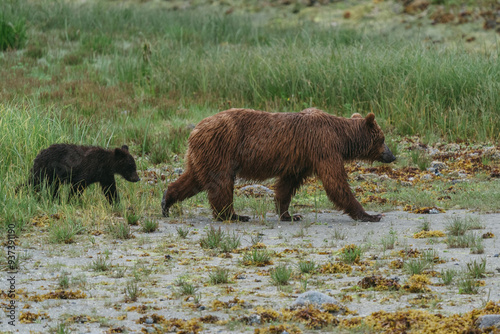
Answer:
(258, 145)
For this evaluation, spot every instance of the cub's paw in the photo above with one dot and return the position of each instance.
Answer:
(285, 217)
(241, 218)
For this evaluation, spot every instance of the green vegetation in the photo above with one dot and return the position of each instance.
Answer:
(281, 274)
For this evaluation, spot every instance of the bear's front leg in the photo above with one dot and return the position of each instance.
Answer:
(110, 192)
(284, 189)
(337, 188)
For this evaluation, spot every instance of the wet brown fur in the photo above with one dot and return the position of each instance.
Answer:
(258, 145)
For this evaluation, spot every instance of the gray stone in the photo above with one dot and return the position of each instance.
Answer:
(315, 298)
(489, 320)
(256, 190)
(149, 321)
(254, 319)
(438, 165)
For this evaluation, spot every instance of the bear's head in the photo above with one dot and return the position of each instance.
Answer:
(372, 140)
(125, 164)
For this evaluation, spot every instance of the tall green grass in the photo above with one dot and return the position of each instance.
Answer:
(24, 131)
(195, 57)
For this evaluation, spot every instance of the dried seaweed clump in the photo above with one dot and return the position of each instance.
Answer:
(429, 234)
(179, 325)
(335, 268)
(417, 284)
(379, 283)
(29, 318)
(278, 329)
(59, 294)
(311, 317)
(424, 210)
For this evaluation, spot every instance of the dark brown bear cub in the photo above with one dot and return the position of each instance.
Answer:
(258, 145)
(80, 166)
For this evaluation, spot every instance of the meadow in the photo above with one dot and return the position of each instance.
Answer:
(144, 73)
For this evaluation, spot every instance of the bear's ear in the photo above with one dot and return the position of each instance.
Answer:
(356, 115)
(370, 119)
(125, 148)
(120, 152)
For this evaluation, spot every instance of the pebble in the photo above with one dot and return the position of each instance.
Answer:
(254, 319)
(178, 171)
(313, 297)
(496, 255)
(433, 211)
(149, 321)
(489, 320)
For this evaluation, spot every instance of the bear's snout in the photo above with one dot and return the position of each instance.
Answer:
(134, 178)
(387, 155)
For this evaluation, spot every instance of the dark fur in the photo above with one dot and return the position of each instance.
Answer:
(259, 145)
(81, 166)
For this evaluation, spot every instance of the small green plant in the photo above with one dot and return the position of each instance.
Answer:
(149, 226)
(132, 219)
(478, 247)
(415, 266)
(132, 291)
(64, 280)
(219, 276)
(120, 230)
(307, 267)
(457, 226)
(230, 243)
(425, 226)
(420, 159)
(476, 269)
(257, 257)
(281, 274)
(255, 239)
(461, 241)
(60, 329)
(447, 276)
(182, 232)
(467, 285)
(351, 254)
(212, 238)
(185, 288)
(64, 232)
(100, 264)
(338, 234)
(389, 241)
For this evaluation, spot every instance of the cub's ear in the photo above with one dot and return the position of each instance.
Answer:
(356, 115)
(370, 119)
(125, 148)
(120, 152)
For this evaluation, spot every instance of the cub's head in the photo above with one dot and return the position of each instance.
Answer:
(371, 140)
(125, 164)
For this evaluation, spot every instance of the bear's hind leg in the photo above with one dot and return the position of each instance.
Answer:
(220, 196)
(185, 187)
(284, 189)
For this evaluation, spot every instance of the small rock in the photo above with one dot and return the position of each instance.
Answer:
(496, 255)
(149, 321)
(178, 171)
(202, 308)
(489, 320)
(256, 190)
(433, 211)
(406, 184)
(150, 330)
(438, 165)
(314, 297)
(427, 177)
(254, 319)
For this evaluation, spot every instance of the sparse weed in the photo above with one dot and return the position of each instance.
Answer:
(478, 247)
(447, 276)
(132, 291)
(420, 159)
(132, 219)
(185, 288)
(338, 234)
(389, 241)
(351, 254)
(230, 243)
(457, 226)
(183, 232)
(461, 241)
(415, 266)
(64, 232)
(219, 276)
(64, 280)
(281, 274)
(307, 267)
(467, 285)
(120, 230)
(255, 239)
(425, 226)
(476, 269)
(212, 238)
(257, 257)
(100, 264)
(149, 226)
